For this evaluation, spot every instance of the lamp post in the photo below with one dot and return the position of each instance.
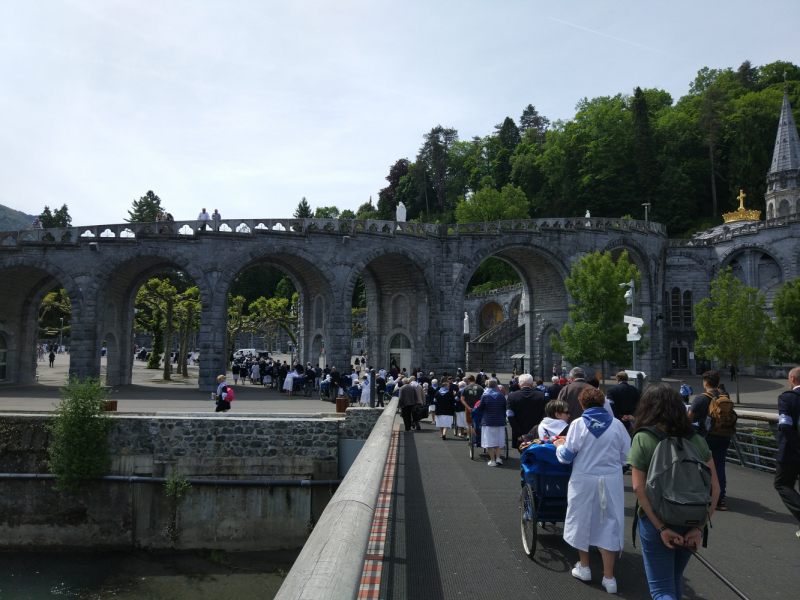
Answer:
(646, 206)
(633, 322)
(61, 335)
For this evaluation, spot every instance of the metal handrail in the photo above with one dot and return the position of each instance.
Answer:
(745, 449)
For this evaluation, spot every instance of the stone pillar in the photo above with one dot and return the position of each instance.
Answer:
(84, 350)
(212, 340)
(338, 341)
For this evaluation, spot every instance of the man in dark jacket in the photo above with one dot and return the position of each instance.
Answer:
(577, 383)
(524, 409)
(407, 401)
(788, 469)
(624, 398)
(552, 391)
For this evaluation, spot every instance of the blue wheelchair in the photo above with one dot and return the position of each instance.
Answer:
(544, 482)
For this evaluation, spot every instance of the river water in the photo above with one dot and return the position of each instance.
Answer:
(142, 576)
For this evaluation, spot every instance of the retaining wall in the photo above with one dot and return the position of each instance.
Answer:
(123, 515)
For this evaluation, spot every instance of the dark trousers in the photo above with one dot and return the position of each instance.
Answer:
(785, 483)
(719, 450)
(408, 416)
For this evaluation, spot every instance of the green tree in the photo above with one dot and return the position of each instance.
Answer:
(596, 333)
(785, 342)
(270, 313)
(711, 122)
(434, 155)
(78, 452)
(285, 289)
(160, 296)
(59, 218)
(490, 205)
(347, 214)
(238, 321)
(532, 125)
(187, 317)
(493, 273)
(303, 210)
(54, 305)
(732, 326)
(644, 150)
(145, 209)
(386, 197)
(326, 212)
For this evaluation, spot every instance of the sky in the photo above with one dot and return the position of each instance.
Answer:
(247, 107)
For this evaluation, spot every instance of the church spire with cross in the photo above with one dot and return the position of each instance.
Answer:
(783, 179)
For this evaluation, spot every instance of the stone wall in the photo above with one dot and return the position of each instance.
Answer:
(123, 515)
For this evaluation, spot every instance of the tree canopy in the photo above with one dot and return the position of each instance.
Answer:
(732, 326)
(303, 210)
(596, 332)
(59, 218)
(786, 333)
(145, 209)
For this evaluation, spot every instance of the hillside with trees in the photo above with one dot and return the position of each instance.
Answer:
(688, 158)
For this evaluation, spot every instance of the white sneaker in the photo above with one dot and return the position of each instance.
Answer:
(610, 585)
(499, 461)
(582, 573)
(491, 463)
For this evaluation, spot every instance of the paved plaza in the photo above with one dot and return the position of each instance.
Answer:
(148, 393)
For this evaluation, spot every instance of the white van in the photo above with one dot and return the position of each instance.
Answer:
(242, 352)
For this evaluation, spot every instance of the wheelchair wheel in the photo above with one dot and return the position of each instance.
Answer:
(527, 521)
(505, 450)
(455, 426)
(471, 442)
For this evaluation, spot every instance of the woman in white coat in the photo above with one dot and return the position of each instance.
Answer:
(364, 400)
(288, 383)
(597, 444)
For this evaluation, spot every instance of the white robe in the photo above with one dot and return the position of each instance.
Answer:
(288, 384)
(596, 495)
(364, 392)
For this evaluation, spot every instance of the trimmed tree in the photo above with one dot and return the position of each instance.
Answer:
(596, 333)
(732, 325)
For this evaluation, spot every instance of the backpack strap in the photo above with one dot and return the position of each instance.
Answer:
(654, 430)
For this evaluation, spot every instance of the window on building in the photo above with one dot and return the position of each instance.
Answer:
(3, 356)
(687, 309)
(675, 308)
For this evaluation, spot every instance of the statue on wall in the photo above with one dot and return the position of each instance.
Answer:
(466, 323)
(401, 213)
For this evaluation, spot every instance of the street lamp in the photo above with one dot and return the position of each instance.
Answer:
(633, 322)
(61, 335)
(646, 206)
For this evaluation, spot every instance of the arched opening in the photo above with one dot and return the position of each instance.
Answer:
(32, 307)
(391, 296)
(149, 319)
(400, 353)
(318, 352)
(511, 295)
(783, 208)
(770, 210)
(291, 301)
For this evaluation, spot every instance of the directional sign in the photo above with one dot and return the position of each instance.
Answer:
(633, 320)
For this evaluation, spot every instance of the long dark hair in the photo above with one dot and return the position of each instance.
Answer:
(661, 406)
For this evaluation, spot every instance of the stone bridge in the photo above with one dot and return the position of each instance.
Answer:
(415, 274)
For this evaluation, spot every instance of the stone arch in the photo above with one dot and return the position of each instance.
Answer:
(725, 258)
(784, 208)
(770, 210)
(31, 279)
(394, 284)
(396, 351)
(542, 270)
(638, 256)
(309, 281)
(115, 288)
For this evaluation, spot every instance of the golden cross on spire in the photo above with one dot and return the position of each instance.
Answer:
(741, 198)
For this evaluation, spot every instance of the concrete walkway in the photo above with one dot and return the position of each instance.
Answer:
(455, 533)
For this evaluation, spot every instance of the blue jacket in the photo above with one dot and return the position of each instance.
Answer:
(788, 417)
(493, 407)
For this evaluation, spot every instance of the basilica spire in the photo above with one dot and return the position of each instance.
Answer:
(787, 143)
(783, 179)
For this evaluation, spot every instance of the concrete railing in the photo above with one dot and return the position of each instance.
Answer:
(332, 560)
(130, 232)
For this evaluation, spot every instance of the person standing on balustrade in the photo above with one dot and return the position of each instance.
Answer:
(216, 216)
(203, 216)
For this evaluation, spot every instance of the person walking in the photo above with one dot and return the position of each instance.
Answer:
(223, 396)
(717, 423)
(364, 400)
(665, 560)
(624, 398)
(407, 401)
(597, 445)
(525, 409)
(444, 399)
(788, 469)
(569, 394)
(52, 357)
(686, 392)
(492, 409)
